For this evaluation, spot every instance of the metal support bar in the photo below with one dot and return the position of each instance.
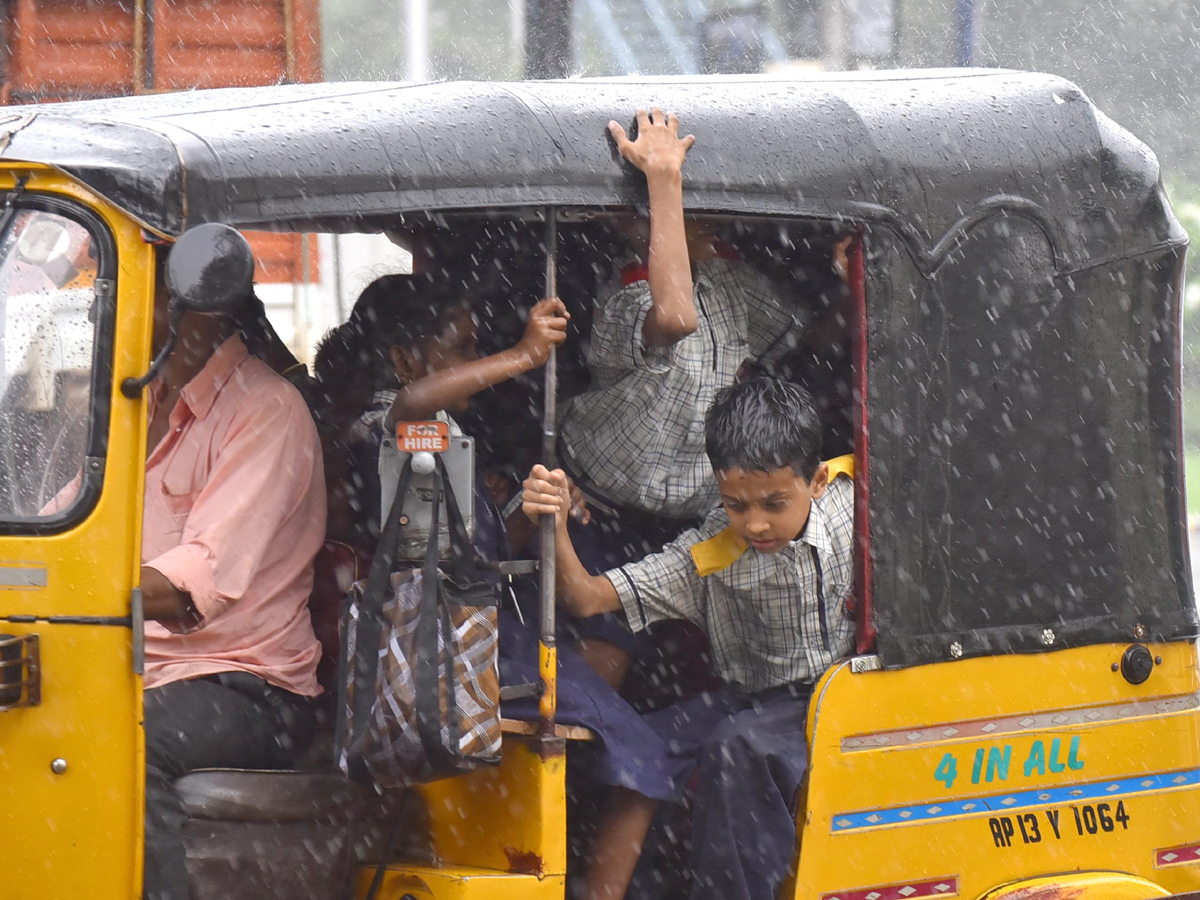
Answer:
(548, 46)
(520, 691)
(22, 619)
(547, 649)
(289, 41)
(510, 567)
(137, 621)
(964, 19)
(139, 46)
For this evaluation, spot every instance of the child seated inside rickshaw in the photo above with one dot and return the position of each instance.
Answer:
(767, 577)
(414, 339)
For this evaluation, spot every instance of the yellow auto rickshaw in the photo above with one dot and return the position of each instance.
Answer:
(1022, 715)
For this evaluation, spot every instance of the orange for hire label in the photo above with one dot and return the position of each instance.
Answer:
(412, 437)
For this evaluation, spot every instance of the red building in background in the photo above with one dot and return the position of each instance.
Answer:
(54, 50)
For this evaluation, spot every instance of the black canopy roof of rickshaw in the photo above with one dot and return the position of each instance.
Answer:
(922, 149)
(1022, 309)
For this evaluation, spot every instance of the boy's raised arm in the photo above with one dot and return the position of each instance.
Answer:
(425, 397)
(581, 593)
(659, 152)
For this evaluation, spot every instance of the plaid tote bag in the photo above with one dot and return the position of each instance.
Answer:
(419, 678)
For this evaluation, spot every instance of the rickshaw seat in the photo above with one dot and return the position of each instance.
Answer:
(261, 835)
(244, 795)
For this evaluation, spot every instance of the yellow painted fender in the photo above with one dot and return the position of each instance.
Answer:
(1079, 886)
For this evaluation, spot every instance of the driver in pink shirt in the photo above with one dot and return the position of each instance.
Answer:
(234, 516)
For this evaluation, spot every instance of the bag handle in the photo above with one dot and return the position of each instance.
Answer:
(464, 559)
(426, 684)
(369, 627)
(435, 610)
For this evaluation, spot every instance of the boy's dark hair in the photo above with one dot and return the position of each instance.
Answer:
(763, 424)
(393, 310)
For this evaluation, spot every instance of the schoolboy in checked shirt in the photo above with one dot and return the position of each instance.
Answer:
(767, 576)
(661, 347)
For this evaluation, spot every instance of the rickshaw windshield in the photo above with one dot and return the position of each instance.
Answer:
(48, 337)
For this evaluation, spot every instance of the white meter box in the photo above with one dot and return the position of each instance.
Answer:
(421, 440)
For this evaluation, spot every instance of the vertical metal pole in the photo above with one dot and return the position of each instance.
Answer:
(547, 648)
(339, 291)
(139, 46)
(289, 41)
(964, 16)
(837, 35)
(548, 40)
(416, 24)
(516, 27)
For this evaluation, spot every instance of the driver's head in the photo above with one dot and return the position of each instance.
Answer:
(209, 274)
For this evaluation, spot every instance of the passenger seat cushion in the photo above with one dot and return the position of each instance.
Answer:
(282, 835)
(677, 666)
(278, 861)
(242, 795)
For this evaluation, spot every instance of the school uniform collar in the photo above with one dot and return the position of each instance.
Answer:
(724, 548)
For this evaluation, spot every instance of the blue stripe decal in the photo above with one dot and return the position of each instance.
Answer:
(1077, 793)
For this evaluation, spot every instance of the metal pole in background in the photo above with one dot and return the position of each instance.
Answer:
(547, 648)
(416, 24)
(548, 49)
(837, 35)
(964, 18)
(516, 28)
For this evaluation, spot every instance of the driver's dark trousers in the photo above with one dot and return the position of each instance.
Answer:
(230, 720)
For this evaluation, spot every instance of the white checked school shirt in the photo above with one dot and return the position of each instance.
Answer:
(637, 437)
(771, 618)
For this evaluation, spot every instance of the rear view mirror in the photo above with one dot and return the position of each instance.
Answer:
(46, 243)
(210, 270)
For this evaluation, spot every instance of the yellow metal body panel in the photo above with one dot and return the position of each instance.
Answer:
(80, 833)
(498, 832)
(425, 883)
(508, 818)
(971, 774)
(1080, 886)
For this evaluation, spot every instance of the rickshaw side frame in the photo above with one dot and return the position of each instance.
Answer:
(91, 658)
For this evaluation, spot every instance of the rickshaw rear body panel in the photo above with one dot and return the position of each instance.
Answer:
(955, 778)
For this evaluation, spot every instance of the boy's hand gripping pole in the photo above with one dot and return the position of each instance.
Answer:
(547, 649)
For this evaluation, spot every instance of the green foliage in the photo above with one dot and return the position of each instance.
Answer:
(1185, 199)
